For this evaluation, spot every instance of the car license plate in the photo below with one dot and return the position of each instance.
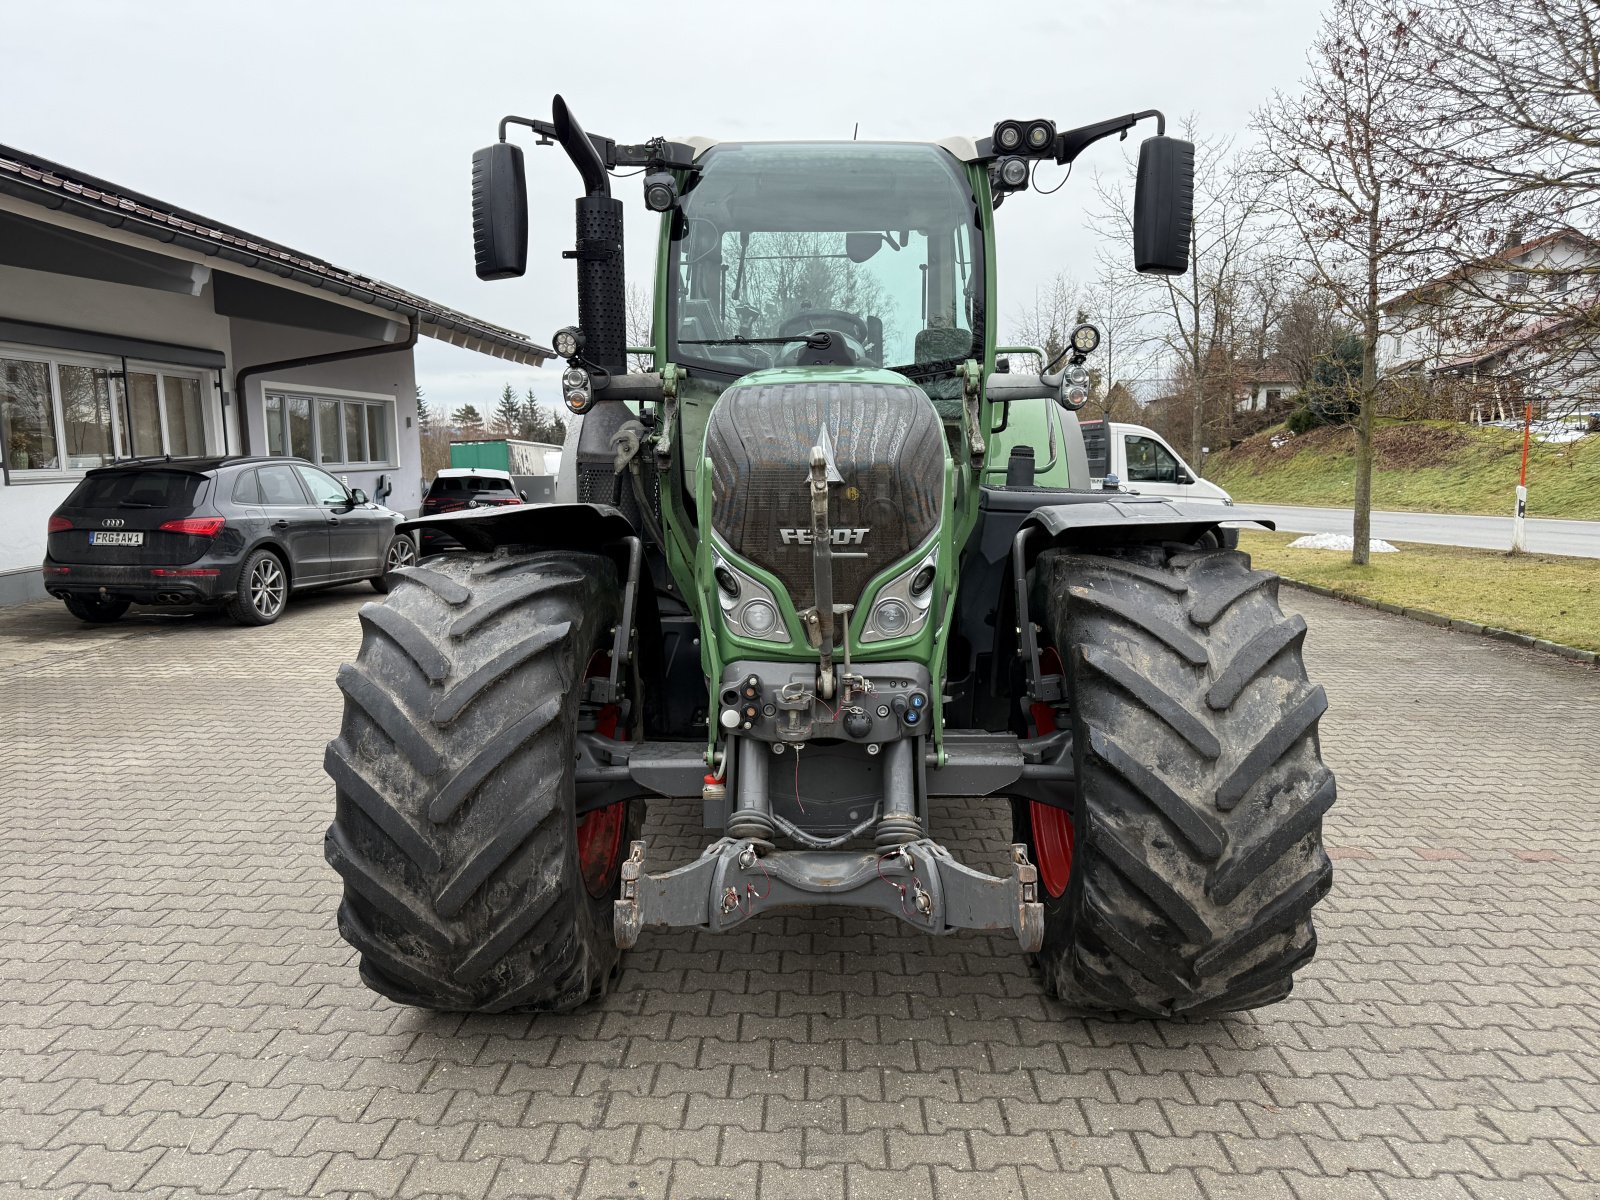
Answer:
(103, 537)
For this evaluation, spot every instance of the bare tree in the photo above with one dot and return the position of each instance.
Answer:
(1046, 321)
(1306, 330)
(1198, 318)
(1336, 159)
(1118, 302)
(1513, 95)
(640, 310)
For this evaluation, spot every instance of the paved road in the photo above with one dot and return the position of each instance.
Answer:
(1545, 536)
(178, 1017)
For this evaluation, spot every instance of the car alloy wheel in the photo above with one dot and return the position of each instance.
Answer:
(401, 554)
(267, 587)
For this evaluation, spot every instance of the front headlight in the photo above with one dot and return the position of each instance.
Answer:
(748, 605)
(902, 605)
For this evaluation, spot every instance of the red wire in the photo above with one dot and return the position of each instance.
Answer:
(900, 887)
(751, 896)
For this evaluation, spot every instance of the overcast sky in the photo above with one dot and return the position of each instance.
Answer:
(346, 130)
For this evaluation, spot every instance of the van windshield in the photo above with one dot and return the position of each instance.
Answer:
(875, 243)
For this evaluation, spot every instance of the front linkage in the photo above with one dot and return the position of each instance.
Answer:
(919, 882)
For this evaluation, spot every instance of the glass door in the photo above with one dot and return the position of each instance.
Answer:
(141, 415)
(162, 414)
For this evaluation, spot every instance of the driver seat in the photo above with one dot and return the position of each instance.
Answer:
(939, 345)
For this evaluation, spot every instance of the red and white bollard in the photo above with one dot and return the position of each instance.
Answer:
(1519, 522)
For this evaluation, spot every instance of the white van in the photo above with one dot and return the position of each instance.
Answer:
(1143, 462)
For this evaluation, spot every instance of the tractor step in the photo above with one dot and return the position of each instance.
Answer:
(919, 882)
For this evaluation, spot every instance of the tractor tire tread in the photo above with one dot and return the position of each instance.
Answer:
(1199, 856)
(454, 829)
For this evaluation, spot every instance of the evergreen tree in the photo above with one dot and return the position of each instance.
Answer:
(508, 414)
(468, 420)
(424, 417)
(542, 424)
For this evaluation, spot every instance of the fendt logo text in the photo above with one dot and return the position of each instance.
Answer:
(841, 537)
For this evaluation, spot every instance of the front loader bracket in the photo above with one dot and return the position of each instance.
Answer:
(920, 883)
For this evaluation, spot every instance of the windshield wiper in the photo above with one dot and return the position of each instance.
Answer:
(817, 341)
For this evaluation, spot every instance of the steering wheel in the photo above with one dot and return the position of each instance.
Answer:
(813, 319)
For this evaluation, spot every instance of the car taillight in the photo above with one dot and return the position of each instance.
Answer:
(506, 500)
(195, 526)
(59, 525)
(442, 506)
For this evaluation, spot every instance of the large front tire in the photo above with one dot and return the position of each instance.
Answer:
(456, 830)
(1201, 789)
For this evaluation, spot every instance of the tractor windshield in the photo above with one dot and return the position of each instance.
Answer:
(875, 244)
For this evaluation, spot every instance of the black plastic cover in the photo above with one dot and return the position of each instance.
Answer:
(1163, 206)
(888, 445)
(499, 211)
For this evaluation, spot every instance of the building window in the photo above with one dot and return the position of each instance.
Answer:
(348, 431)
(1560, 281)
(68, 412)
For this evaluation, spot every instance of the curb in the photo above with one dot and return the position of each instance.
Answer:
(1588, 658)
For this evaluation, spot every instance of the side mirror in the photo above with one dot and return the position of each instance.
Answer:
(358, 496)
(524, 495)
(1163, 206)
(499, 211)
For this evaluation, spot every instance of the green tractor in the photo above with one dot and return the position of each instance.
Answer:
(829, 570)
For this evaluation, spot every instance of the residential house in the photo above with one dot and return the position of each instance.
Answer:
(1517, 324)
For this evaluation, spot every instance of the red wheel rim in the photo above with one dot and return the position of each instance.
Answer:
(1053, 835)
(599, 839)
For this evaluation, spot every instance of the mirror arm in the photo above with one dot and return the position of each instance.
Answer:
(1074, 142)
(659, 153)
(544, 129)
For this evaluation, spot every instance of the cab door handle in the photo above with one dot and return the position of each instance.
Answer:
(280, 524)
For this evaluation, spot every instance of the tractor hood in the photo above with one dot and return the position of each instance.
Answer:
(887, 445)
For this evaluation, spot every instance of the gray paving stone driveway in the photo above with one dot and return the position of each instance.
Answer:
(178, 1016)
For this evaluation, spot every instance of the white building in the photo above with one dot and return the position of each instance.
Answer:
(1512, 318)
(130, 327)
(1268, 385)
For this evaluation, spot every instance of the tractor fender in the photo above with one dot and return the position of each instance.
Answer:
(547, 526)
(1121, 518)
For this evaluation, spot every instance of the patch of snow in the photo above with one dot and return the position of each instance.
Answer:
(1339, 541)
(1570, 433)
(1279, 440)
(1557, 430)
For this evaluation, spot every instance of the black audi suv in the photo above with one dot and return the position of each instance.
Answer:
(239, 533)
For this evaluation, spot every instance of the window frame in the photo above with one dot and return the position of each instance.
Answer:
(160, 372)
(1160, 450)
(117, 368)
(345, 399)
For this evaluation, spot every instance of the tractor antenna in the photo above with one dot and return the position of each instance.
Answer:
(857, 132)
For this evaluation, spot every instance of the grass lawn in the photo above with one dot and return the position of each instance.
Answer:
(1552, 597)
(1421, 466)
